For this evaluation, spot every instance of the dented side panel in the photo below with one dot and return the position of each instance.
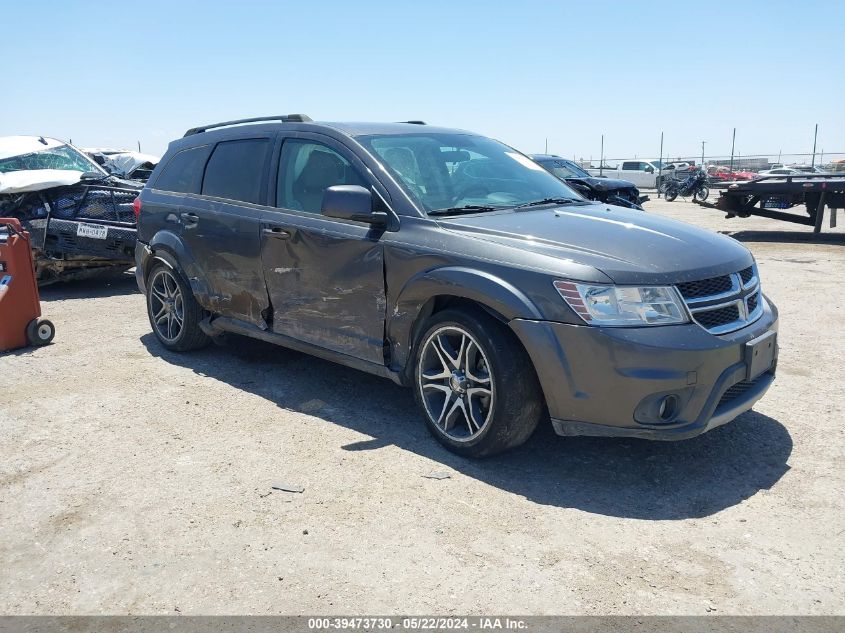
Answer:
(225, 237)
(326, 282)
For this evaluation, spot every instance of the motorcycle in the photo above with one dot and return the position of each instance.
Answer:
(694, 185)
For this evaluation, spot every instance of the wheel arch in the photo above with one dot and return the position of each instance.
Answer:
(431, 291)
(167, 247)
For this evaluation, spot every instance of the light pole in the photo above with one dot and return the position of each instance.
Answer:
(733, 145)
(601, 158)
(659, 166)
(702, 153)
(815, 138)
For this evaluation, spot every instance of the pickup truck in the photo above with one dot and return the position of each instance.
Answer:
(642, 173)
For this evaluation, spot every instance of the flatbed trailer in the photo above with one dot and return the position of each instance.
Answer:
(770, 196)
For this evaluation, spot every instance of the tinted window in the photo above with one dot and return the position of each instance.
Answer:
(631, 166)
(306, 170)
(236, 170)
(183, 172)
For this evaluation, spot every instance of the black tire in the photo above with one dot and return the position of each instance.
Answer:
(40, 332)
(671, 194)
(515, 404)
(185, 307)
(702, 193)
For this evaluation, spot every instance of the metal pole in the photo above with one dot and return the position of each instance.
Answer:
(733, 145)
(660, 167)
(702, 154)
(601, 158)
(815, 138)
(547, 146)
(139, 146)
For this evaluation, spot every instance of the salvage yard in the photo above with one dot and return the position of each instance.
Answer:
(136, 480)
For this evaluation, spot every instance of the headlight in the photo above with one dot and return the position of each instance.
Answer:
(624, 305)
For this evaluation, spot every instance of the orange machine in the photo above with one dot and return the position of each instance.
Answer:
(20, 307)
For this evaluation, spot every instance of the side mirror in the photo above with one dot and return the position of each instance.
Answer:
(351, 202)
(92, 175)
(650, 169)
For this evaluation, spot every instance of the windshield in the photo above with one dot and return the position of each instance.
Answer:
(63, 157)
(563, 169)
(448, 171)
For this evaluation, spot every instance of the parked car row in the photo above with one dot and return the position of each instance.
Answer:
(457, 266)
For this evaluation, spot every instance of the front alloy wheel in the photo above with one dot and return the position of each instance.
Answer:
(455, 383)
(474, 382)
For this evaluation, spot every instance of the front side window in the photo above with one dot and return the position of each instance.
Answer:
(63, 157)
(306, 170)
(236, 170)
(444, 171)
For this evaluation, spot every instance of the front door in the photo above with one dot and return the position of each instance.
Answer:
(325, 277)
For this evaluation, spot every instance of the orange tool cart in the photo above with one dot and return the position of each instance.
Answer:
(20, 307)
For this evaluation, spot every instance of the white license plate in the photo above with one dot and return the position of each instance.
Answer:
(97, 231)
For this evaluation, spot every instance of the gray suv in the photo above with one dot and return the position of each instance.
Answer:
(453, 264)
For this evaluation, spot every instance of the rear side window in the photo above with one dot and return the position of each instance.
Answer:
(630, 166)
(237, 170)
(183, 172)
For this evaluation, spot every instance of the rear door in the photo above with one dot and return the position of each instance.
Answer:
(222, 226)
(325, 276)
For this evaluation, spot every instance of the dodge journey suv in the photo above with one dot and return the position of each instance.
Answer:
(455, 265)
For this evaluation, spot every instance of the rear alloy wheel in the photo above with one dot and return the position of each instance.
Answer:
(701, 194)
(475, 384)
(173, 311)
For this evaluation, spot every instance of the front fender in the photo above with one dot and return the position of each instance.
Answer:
(484, 288)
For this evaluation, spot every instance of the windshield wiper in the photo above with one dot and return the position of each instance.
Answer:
(468, 208)
(537, 203)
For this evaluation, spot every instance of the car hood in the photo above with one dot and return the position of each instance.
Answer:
(606, 184)
(629, 246)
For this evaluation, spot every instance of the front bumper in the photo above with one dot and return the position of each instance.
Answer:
(605, 381)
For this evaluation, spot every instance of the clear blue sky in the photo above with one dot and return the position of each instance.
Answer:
(109, 74)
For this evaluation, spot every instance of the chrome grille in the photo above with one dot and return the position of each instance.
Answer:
(719, 316)
(705, 287)
(725, 303)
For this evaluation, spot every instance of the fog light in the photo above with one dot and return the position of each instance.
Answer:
(668, 408)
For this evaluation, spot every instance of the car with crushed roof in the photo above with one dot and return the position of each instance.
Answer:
(455, 265)
(81, 218)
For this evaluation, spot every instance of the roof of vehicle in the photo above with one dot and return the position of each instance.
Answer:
(302, 122)
(19, 145)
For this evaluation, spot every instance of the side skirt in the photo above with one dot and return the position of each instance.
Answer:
(213, 327)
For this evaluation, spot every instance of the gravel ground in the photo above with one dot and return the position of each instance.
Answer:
(137, 481)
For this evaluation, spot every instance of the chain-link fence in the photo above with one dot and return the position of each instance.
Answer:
(723, 167)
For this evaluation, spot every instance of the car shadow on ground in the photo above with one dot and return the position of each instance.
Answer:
(787, 237)
(111, 285)
(624, 478)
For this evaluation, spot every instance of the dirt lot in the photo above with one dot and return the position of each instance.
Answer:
(133, 480)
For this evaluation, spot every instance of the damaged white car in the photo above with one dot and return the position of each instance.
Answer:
(80, 217)
(124, 163)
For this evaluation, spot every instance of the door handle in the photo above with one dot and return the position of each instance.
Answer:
(189, 218)
(277, 232)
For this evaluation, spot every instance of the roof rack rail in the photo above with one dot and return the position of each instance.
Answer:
(284, 118)
(414, 122)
